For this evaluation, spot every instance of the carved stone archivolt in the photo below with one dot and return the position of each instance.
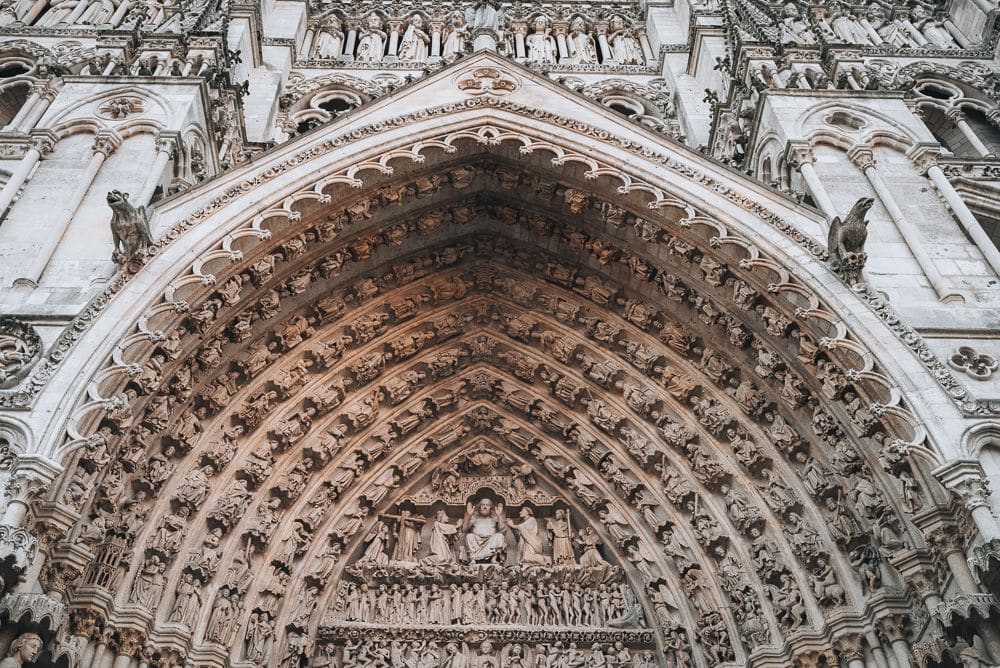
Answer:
(413, 406)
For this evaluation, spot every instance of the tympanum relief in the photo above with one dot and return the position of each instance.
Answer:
(480, 564)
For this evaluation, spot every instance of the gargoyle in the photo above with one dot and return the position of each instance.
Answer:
(129, 227)
(846, 241)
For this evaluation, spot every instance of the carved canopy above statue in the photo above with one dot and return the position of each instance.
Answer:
(487, 397)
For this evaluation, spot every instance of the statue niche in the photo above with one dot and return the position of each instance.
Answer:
(482, 549)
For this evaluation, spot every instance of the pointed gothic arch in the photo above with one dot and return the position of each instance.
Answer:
(627, 309)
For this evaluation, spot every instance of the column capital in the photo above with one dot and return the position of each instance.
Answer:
(955, 114)
(798, 153)
(966, 479)
(893, 627)
(946, 539)
(924, 156)
(129, 642)
(43, 141)
(106, 141)
(168, 142)
(850, 647)
(32, 474)
(861, 156)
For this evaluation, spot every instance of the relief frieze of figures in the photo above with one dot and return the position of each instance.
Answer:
(366, 36)
(671, 441)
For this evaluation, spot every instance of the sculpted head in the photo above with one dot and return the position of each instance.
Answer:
(26, 647)
(484, 507)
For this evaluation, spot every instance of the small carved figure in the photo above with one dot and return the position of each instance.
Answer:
(129, 227)
(846, 241)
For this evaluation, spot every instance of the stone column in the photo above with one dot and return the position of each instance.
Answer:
(520, 31)
(876, 647)
(894, 630)
(607, 57)
(307, 42)
(560, 28)
(957, 116)
(437, 29)
(352, 40)
(801, 157)
(166, 148)
(946, 539)
(42, 143)
(966, 478)
(647, 48)
(864, 159)
(392, 54)
(129, 644)
(31, 475)
(26, 108)
(105, 142)
(956, 34)
(925, 158)
(46, 94)
(34, 12)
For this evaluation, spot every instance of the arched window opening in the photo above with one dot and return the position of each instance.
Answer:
(10, 70)
(12, 98)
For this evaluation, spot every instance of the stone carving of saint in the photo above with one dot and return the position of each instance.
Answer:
(794, 29)
(223, 619)
(416, 42)
(330, 42)
(530, 540)
(408, 540)
(591, 542)
(260, 637)
(936, 34)
(442, 534)
(485, 14)
(541, 44)
(378, 540)
(456, 38)
(561, 534)
(148, 585)
(194, 488)
(371, 46)
(891, 31)
(624, 45)
(845, 27)
(187, 604)
(580, 44)
(484, 538)
(25, 649)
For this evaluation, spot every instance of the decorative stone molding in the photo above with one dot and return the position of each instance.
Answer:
(35, 609)
(20, 348)
(963, 608)
(979, 366)
(966, 478)
(17, 551)
(985, 563)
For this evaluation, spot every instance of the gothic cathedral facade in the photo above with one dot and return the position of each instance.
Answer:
(490, 334)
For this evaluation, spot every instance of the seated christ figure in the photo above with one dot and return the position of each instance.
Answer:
(483, 525)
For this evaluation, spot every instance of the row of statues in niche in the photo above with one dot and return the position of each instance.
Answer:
(107, 14)
(839, 24)
(482, 537)
(430, 654)
(539, 41)
(478, 603)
